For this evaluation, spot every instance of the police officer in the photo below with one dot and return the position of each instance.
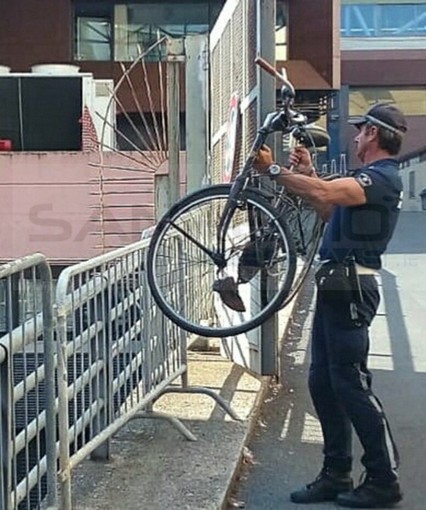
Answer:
(361, 211)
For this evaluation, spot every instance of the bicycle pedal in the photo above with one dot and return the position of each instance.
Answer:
(227, 289)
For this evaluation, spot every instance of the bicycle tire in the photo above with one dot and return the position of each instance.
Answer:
(168, 245)
(308, 257)
(306, 260)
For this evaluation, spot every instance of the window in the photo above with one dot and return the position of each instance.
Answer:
(122, 30)
(141, 25)
(93, 30)
(383, 19)
(358, 20)
(93, 39)
(411, 100)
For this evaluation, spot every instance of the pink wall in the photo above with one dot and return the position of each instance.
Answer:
(49, 202)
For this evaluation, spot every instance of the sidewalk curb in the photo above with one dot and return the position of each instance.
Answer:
(252, 421)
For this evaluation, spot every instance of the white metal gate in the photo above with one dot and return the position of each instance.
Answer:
(233, 47)
(244, 29)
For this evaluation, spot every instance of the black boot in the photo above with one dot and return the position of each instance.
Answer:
(326, 487)
(371, 494)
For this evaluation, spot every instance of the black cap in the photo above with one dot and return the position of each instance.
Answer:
(383, 115)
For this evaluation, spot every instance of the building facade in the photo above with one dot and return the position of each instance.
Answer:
(384, 60)
(50, 177)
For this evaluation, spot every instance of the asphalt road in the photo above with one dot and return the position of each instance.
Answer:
(286, 445)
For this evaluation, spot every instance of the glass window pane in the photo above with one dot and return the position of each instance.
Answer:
(383, 19)
(358, 20)
(169, 12)
(172, 30)
(94, 51)
(394, 17)
(412, 101)
(419, 27)
(93, 39)
(193, 28)
(139, 25)
(143, 24)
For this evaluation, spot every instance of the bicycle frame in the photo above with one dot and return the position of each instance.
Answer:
(285, 120)
(240, 183)
(274, 121)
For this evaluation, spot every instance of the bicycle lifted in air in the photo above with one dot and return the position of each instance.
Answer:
(225, 258)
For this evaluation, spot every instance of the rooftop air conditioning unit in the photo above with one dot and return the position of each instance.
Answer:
(55, 108)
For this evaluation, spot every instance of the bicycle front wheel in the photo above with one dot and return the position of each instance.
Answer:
(183, 275)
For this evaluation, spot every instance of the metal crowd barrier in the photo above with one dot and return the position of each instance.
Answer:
(117, 354)
(27, 384)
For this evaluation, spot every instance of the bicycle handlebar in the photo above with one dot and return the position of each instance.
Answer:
(266, 66)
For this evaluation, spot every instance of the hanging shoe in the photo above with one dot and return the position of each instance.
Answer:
(227, 289)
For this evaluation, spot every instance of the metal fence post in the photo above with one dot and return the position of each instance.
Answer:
(267, 103)
(101, 349)
(63, 417)
(167, 187)
(196, 111)
(49, 362)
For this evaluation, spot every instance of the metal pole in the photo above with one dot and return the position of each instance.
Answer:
(167, 187)
(196, 111)
(266, 19)
(64, 452)
(101, 349)
(49, 361)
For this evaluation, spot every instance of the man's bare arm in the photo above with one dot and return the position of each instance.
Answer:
(323, 195)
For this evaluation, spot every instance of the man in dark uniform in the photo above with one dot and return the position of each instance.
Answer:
(362, 211)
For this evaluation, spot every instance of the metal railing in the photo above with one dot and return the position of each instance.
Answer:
(113, 354)
(27, 385)
(117, 354)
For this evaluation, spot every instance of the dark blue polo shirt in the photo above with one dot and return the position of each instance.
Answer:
(365, 231)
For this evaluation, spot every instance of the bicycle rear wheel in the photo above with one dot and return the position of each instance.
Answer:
(307, 228)
(183, 277)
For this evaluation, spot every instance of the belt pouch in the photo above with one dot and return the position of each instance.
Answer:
(333, 282)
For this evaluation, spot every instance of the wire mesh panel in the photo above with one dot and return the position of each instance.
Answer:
(27, 419)
(233, 44)
(244, 30)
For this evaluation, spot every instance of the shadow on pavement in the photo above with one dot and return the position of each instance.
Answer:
(287, 449)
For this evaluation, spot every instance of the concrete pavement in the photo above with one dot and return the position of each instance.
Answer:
(153, 467)
(287, 448)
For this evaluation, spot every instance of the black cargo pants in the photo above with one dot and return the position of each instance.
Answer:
(340, 386)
